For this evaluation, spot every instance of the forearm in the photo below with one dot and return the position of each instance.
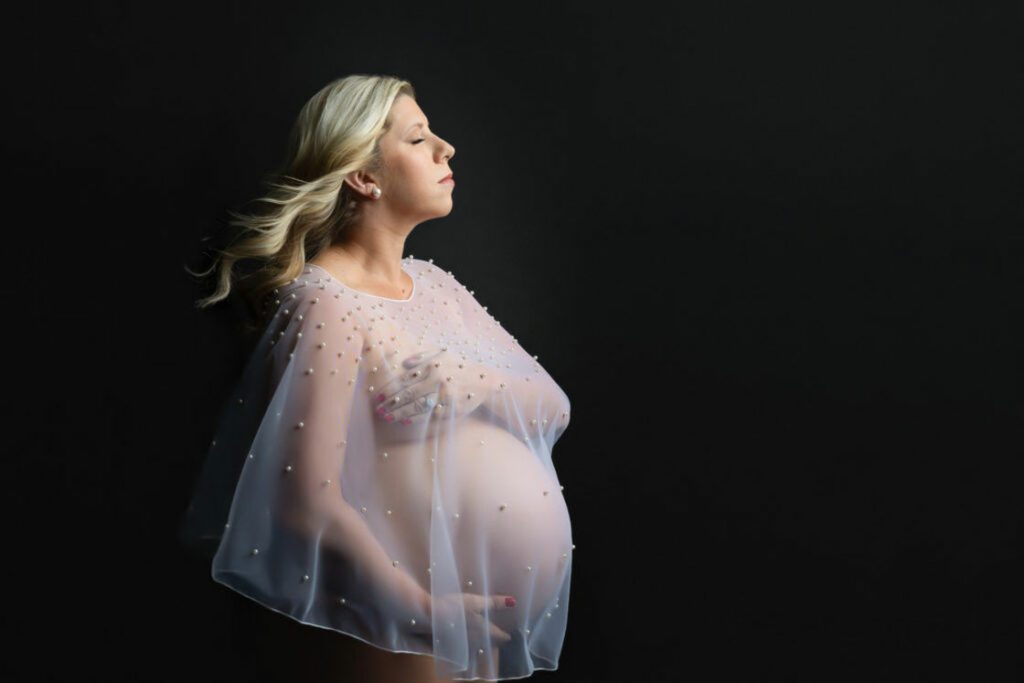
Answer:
(344, 530)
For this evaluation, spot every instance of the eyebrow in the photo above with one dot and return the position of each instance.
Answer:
(420, 125)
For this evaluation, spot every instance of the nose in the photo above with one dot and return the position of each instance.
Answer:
(449, 150)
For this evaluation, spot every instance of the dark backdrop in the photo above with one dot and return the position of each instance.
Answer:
(772, 254)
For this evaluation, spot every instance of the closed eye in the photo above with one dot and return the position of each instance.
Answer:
(418, 141)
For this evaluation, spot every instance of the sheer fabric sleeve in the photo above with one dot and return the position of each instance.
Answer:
(440, 530)
(295, 538)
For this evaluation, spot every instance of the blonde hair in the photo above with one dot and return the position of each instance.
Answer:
(309, 204)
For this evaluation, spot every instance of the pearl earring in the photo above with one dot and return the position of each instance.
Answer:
(376, 192)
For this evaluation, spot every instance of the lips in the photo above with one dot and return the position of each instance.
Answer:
(450, 176)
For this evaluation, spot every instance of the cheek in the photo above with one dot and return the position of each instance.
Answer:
(418, 175)
(412, 174)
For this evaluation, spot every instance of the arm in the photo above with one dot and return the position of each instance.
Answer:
(323, 412)
(342, 528)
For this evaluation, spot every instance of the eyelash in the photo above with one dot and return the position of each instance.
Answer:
(418, 141)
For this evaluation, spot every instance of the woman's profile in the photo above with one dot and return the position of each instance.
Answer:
(382, 469)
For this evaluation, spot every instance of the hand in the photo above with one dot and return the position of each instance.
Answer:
(432, 385)
(446, 607)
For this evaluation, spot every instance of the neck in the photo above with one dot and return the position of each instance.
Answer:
(373, 260)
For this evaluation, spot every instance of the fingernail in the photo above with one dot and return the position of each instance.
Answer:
(390, 417)
(406, 421)
(380, 397)
(381, 410)
(510, 602)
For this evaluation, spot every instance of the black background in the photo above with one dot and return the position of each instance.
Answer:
(771, 252)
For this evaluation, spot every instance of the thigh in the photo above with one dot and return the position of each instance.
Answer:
(376, 665)
(288, 650)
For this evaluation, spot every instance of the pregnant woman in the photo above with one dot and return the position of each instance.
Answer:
(383, 468)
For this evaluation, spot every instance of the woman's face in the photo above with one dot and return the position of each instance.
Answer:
(414, 161)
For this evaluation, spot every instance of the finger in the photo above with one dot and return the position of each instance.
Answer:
(413, 361)
(445, 405)
(502, 601)
(390, 392)
(399, 382)
(416, 408)
(498, 601)
(415, 387)
(402, 398)
(419, 358)
(496, 632)
(445, 607)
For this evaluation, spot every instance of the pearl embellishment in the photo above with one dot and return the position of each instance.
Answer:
(371, 337)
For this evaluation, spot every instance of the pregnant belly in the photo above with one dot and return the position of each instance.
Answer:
(509, 523)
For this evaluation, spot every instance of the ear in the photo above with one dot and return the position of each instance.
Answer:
(361, 182)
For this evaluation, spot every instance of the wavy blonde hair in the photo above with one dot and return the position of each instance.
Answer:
(309, 205)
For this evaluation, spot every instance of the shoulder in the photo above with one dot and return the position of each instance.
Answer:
(312, 294)
(436, 274)
(427, 267)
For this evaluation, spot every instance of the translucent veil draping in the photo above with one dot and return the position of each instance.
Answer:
(383, 469)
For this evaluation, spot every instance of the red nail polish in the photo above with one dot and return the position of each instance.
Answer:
(380, 397)
(390, 417)
(510, 602)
